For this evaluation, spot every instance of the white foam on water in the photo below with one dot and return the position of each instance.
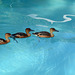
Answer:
(66, 19)
(35, 17)
(42, 25)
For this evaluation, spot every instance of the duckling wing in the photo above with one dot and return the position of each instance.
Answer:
(2, 40)
(19, 34)
(44, 33)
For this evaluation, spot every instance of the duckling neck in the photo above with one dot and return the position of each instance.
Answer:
(7, 40)
(52, 35)
(28, 33)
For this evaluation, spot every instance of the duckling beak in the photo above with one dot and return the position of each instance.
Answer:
(32, 30)
(13, 38)
(56, 30)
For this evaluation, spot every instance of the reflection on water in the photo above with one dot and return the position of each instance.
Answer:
(50, 56)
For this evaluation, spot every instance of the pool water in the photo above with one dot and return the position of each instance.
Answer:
(49, 56)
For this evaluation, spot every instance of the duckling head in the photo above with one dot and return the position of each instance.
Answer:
(53, 29)
(7, 34)
(28, 30)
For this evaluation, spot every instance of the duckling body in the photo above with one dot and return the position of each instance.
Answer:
(2, 41)
(20, 35)
(46, 34)
(42, 34)
(23, 35)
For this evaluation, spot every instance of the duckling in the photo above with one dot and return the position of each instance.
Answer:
(22, 35)
(46, 34)
(2, 41)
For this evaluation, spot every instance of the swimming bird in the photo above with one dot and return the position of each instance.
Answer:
(2, 41)
(21, 34)
(46, 34)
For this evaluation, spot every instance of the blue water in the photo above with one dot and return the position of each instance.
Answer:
(50, 56)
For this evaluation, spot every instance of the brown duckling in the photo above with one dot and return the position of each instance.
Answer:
(46, 34)
(2, 41)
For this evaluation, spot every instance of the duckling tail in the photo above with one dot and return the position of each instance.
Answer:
(35, 33)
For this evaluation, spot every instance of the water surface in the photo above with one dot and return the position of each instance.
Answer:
(50, 56)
